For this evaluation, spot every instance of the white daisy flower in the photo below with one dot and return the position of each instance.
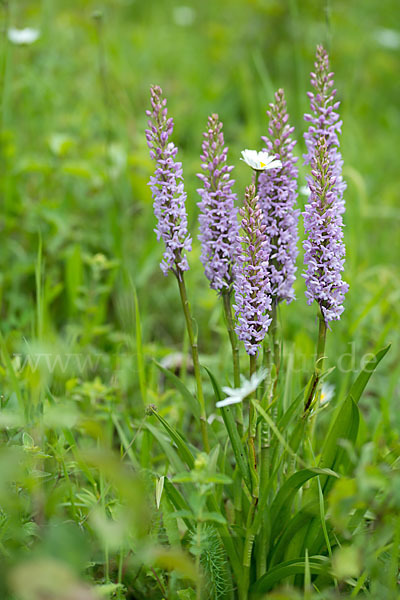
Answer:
(236, 395)
(22, 37)
(260, 161)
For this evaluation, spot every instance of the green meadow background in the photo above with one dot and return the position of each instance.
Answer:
(77, 241)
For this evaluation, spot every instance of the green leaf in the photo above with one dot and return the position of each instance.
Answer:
(178, 501)
(290, 412)
(280, 508)
(333, 455)
(178, 439)
(187, 594)
(360, 383)
(345, 422)
(124, 441)
(237, 446)
(182, 389)
(344, 426)
(214, 517)
(303, 516)
(276, 431)
(219, 478)
(170, 451)
(317, 565)
(180, 514)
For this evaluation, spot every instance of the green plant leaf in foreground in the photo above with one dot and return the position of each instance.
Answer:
(182, 389)
(176, 437)
(317, 565)
(345, 422)
(237, 446)
(281, 505)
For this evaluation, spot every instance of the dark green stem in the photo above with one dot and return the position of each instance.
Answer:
(195, 357)
(262, 549)
(276, 347)
(250, 533)
(226, 297)
(257, 175)
(319, 364)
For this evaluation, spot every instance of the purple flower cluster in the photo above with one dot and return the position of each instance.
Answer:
(277, 191)
(324, 247)
(324, 120)
(167, 187)
(251, 283)
(218, 215)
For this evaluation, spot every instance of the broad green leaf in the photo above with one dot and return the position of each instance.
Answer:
(345, 426)
(280, 508)
(182, 389)
(306, 514)
(345, 421)
(360, 383)
(333, 455)
(342, 458)
(317, 565)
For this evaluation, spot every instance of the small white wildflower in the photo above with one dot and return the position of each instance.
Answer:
(159, 490)
(327, 393)
(22, 37)
(260, 161)
(236, 395)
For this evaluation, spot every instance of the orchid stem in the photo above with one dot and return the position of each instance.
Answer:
(195, 357)
(319, 364)
(226, 297)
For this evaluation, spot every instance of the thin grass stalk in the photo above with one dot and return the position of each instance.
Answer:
(250, 533)
(252, 432)
(226, 297)
(319, 365)
(275, 342)
(195, 358)
(272, 356)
